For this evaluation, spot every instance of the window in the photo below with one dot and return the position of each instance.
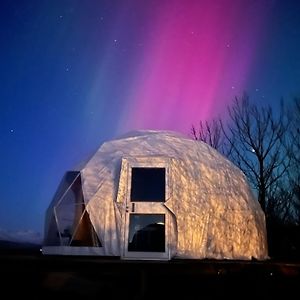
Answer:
(148, 184)
(147, 233)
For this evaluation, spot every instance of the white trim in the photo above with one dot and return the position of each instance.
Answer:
(145, 207)
(147, 162)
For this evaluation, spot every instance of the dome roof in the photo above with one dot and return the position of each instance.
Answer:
(206, 170)
(209, 208)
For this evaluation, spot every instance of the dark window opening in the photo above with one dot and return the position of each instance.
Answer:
(147, 233)
(148, 184)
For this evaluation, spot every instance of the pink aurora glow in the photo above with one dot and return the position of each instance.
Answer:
(197, 57)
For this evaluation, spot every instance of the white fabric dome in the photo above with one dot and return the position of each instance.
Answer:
(211, 209)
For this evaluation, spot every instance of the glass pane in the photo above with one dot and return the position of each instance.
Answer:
(73, 195)
(148, 184)
(85, 234)
(68, 216)
(147, 233)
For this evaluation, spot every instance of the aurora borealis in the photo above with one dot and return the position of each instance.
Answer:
(75, 73)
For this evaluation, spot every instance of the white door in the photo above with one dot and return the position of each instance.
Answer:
(146, 218)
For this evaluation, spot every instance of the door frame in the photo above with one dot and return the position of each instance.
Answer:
(144, 207)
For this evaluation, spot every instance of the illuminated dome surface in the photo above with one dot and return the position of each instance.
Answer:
(199, 204)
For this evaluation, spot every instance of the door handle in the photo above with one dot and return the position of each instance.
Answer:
(133, 207)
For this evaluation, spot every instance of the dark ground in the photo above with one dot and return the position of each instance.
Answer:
(34, 276)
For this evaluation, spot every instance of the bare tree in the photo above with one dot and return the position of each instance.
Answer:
(281, 203)
(294, 152)
(210, 133)
(256, 138)
(295, 131)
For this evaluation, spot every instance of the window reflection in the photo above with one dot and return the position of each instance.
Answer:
(68, 223)
(147, 233)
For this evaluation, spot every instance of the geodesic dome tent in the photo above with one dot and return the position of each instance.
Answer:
(156, 195)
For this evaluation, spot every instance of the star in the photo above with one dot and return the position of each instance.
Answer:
(11, 130)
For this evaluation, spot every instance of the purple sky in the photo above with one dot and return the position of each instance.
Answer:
(75, 73)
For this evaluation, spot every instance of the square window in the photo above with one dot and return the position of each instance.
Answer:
(148, 184)
(147, 233)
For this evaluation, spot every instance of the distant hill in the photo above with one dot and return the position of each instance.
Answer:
(19, 248)
(21, 236)
(19, 241)
(16, 245)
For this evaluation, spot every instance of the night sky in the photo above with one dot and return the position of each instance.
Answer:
(76, 73)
